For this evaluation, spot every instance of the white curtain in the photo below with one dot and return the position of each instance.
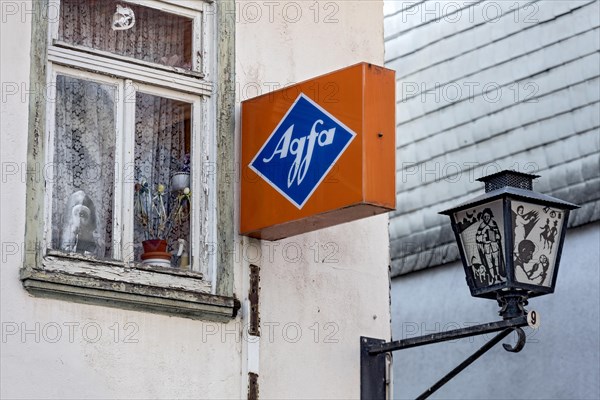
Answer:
(157, 36)
(84, 148)
(162, 143)
(85, 125)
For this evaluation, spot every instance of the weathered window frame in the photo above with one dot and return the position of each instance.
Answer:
(120, 284)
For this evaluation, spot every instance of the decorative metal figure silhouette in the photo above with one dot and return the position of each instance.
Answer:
(488, 239)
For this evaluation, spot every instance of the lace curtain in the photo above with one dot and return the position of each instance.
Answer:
(84, 163)
(83, 167)
(84, 140)
(156, 36)
(162, 143)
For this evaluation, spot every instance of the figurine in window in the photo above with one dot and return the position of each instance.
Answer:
(79, 224)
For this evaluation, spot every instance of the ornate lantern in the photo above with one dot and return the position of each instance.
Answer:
(510, 240)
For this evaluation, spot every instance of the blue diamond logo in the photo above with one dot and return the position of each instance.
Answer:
(302, 149)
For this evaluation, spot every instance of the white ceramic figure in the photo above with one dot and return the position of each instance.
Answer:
(79, 224)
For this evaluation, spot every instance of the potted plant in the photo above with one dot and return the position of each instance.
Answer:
(181, 178)
(158, 213)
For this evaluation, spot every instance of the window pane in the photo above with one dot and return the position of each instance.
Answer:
(162, 157)
(83, 169)
(155, 36)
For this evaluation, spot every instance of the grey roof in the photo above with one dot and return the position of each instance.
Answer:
(475, 97)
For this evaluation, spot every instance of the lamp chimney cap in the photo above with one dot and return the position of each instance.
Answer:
(499, 180)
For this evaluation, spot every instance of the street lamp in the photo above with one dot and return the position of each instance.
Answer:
(510, 242)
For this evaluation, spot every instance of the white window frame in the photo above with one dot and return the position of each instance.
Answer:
(53, 72)
(202, 47)
(170, 291)
(130, 76)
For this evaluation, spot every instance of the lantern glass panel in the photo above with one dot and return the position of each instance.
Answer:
(481, 230)
(536, 237)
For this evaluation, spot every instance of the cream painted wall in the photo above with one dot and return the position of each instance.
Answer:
(101, 352)
(313, 312)
(58, 349)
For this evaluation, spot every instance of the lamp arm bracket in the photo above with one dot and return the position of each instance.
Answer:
(373, 352)
(474, 330)
(484, 349)
(521, 338)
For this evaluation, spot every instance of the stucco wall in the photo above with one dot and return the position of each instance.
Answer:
(59, 349)
(340, 293)
(560, 360)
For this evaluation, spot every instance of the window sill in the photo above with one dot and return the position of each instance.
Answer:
(116, 284)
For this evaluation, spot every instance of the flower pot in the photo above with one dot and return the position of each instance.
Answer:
(155, 253)
(158, 258)
(179, 181)
(154, 245)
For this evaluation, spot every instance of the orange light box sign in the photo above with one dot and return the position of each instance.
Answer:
(318, 153)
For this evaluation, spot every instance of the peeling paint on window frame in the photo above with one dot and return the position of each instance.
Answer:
(116, 284)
